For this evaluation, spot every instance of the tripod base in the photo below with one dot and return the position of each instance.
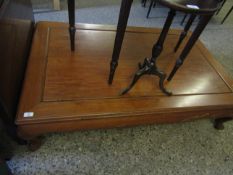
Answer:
(148, 67)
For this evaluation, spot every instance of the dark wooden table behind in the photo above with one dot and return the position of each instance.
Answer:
(16, 29)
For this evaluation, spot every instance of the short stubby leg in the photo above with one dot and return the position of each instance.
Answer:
(121, 27)
(197, 32)
(184, 33)
(35, 143)
(218, 123)
(72, 29)
(136, 77)
(162, 77)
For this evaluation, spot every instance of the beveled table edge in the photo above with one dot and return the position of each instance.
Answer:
(27, 106)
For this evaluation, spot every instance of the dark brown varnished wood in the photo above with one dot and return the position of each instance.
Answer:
(197, 32)
(66, 97)
(149, 66)
(207, 8)
(204, 7)
(16, 30)
(184, 32)
(72, 30)
(121, 26)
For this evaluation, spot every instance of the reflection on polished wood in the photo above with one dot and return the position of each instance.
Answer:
(68, 90)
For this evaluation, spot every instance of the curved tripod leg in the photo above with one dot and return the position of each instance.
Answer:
(145, 62)
(136, 77)
(162, 77)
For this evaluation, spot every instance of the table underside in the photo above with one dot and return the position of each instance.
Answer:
(68, 90)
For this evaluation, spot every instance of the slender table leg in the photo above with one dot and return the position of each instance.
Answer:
(227, 15)
(197, 32)
(122, 23)
(149, 65)
(184, 33)
(158, 47)
(144, 3)
(154, 3)
(182, 22)
(72, 30)
(224, 1)
(151, 4)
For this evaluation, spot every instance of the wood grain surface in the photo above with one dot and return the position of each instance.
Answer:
(69, 90)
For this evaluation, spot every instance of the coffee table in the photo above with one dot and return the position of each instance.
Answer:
(67, 91)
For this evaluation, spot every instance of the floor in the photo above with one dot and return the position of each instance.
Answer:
(182, 148)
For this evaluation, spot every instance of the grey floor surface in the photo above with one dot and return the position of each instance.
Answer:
(183, 148)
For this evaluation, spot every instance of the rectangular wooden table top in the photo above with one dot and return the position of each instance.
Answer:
(70, 88)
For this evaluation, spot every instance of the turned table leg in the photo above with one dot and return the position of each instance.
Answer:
(197, 32)
(149, 65)
(72, 30)
(122, 23)
(158, 47)
(184, 33)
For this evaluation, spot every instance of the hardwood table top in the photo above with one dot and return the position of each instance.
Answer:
(193, 6)
(66, 90)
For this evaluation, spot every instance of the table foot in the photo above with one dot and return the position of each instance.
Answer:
(121, 27)
(113, 66)
(218, 123)
(179, 62)
(35, 143)
(72, 31)
(148, 67)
